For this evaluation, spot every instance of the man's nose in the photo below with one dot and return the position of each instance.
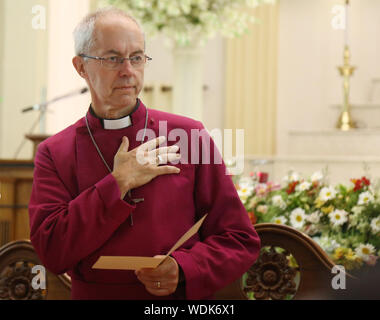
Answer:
(126, 68)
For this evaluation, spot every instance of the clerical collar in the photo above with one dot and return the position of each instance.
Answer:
(115, 124)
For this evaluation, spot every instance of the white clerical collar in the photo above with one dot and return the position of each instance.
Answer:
(115, 124)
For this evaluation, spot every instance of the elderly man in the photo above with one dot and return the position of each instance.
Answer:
(93, 197)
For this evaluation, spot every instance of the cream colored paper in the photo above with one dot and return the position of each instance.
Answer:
(136, 263)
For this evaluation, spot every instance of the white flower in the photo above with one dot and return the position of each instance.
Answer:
(316, 176)
(297, 218)
(338, 217)
(262, 209)
(303, 186)
(278, 202)
(245, 193)
(357, 210)
(375, 225)
(280, 220)
(327, 193)
(364, 251)
(327, 243)
(246, 182)
(365, 198)
(245, 188)
(180, 19)
(294, 177)
(314, 217)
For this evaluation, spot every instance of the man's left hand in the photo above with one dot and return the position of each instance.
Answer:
(160, 281)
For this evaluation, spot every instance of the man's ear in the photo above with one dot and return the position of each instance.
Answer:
(79, 66)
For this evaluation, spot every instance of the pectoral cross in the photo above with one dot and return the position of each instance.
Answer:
(136, 201)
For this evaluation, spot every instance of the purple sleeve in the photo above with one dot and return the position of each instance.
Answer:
(61, 225)
(230, 244)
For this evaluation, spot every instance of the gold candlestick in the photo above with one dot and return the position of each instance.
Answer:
(345, 121)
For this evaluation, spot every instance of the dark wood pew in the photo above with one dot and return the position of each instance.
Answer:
(275, 275)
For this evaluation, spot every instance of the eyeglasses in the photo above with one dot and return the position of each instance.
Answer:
(115, 62)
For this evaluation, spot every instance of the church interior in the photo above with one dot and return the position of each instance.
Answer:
(295, 96)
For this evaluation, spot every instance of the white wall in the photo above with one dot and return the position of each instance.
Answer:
(23, 73)
(310, 51)
(62, 77)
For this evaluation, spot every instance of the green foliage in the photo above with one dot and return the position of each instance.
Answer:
(343, 220)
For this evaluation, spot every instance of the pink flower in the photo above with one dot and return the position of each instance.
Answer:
(371, 260)
(273, 186)
(261, 190)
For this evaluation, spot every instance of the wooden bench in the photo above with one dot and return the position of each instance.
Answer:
(275, 274)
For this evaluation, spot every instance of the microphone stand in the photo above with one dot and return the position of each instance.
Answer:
(42, 108)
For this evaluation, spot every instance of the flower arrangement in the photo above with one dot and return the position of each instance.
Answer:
(187, 21)
(343, 220)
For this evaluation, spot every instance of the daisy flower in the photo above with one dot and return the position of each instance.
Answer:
(297, 218)
(365, 198)
(327, 193)
(316, 176)
(364, 251)
(280, 220)
(338, 217)
(244, 193)
(245, 189)
(303, 186)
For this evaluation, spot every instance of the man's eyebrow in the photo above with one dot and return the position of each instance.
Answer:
(137, 52)
(112, 51)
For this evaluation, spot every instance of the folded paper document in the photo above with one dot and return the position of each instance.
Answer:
(136, 263)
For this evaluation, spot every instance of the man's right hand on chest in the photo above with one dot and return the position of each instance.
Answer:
(141, 165)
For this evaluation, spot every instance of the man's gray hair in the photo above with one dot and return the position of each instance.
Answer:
(83, 33)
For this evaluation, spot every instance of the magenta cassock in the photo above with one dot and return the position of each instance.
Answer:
(76, 214)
